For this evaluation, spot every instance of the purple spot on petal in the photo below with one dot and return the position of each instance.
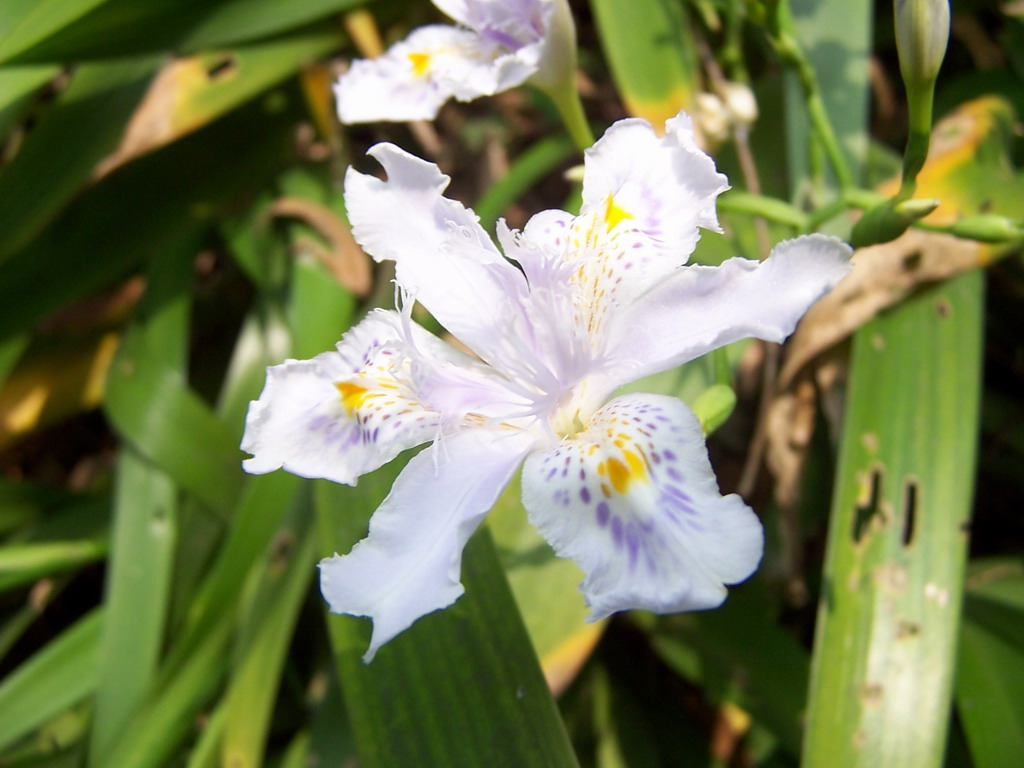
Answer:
(632, 543)
(617, 531)
(551, 474)
(602, 513)
(674, 474)
(669, 455)
(585, 495)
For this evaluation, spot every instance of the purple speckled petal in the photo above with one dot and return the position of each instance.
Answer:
(341, 414)
(633, 500)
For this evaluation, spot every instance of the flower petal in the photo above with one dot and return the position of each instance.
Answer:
(413, 78)
(341, 414)
(698, 309)
(409, 563)
(633, 500)
(442, 255)
(664, 187)
(403, 83)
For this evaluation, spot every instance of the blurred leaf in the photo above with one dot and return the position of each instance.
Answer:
(990, 677)
(167, 719)
(461, 687)
(10, 351)
(882, 672)
(188, 93)
(265, 633)
(24, 563)
(56, 159)
(53, 382)
(651, 55)
(990, 674)
(24, 23)
(140, 571)
(58, 675)
(127, 27)
(154, 409)
(17, 84)
(836, 38)
(767, 678)
(153, 205)
(265, 500)
(206, 751)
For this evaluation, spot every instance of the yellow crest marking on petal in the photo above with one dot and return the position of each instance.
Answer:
(621, 473)
(615, 214)
(352, 395)
(420, 63)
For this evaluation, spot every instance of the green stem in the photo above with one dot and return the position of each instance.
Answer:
(770, 208)
(567, 100)
(920, 99)
(789, 50)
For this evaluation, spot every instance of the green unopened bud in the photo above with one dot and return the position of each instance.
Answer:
(989, 228)
(915, 208)
(713, 406)
(922, 33)
(889, 220)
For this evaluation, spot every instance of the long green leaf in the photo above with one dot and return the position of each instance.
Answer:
(651, 55)
(57, 676)
(139, 574)
(59, 155)
(265, 635)
(24, 563)
(16, 86)
(889, 614)
(157, 204)
(836, 38)
(156, 730)
(151, 406)
(128, 28)
(461, 687)
(990, 673)
(25, 22)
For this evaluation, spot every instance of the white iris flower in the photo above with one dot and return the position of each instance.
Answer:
(575, 308)
(497, 46)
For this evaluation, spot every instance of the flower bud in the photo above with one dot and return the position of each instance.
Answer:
(740, 102)
(714, 406)
(988, 228)
(922, 32)
(889, 220)
(712, 117)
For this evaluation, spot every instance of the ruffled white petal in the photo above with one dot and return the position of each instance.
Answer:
(501, 49)
(409, 563)
(343, 413)
(633, 501)
(697, 309)
(402, 84)
(664, 187)
(442, 255)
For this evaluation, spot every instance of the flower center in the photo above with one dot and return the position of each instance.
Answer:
(570, 415)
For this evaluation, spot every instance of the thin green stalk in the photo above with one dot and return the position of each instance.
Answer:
(769, 208)
(786, 44)
(570, 108)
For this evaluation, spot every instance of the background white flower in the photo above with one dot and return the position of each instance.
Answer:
(497, 46)
(576, 307)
